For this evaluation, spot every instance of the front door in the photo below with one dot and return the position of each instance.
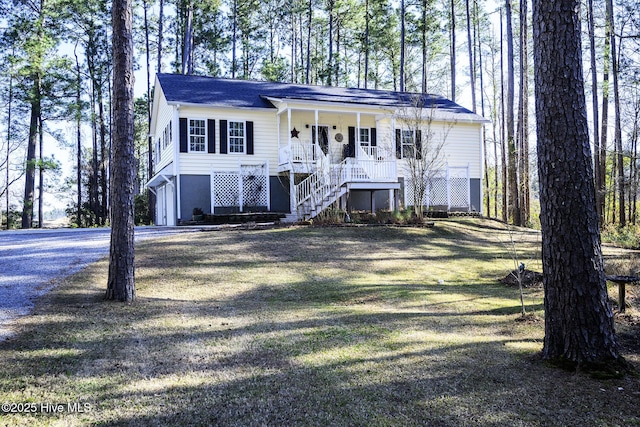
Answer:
(322, 137)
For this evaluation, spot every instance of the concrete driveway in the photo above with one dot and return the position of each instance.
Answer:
(33, 261)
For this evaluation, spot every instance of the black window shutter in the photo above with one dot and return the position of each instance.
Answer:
(351, 150)
(374, 137)
(183, 135)
(211, 135)
(418, 144)
(249, 136)
(398, 144)
(223, 137)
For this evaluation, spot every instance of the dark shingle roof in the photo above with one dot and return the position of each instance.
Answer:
(191, 89)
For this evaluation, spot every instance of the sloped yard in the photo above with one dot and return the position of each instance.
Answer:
(307, 326)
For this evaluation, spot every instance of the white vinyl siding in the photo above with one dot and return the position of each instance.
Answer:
(265, 141)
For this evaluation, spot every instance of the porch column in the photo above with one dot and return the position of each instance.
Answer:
(315, 146)
(392, 202)
(289, 125)
(292, 193)
(357, 147)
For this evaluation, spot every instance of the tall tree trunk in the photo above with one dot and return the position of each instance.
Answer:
(452, 48)
(103, 209)
(366, 43)
(294, 44)
(309, 21)
(302, 55)
(187, 62)
(94, 177)
(121, 281)
(151, 199)
(514, 197)
(618, 127)
(503, 128)
(604, 128)
(402, 43)
(160, 34)
(633, 188)
(484, 135)
(472, 68)
(423, 42)
(234, 41)
(78, 139)
(30, 171)
(579, 327)
(40, 171)
(330, 5)
(523, 118)
(8, 156)
(599, 173)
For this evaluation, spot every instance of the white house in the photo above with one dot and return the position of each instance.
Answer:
(238, 146)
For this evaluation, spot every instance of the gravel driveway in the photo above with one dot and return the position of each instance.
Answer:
(33, 261)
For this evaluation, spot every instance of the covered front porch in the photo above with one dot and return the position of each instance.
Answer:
(331, 151)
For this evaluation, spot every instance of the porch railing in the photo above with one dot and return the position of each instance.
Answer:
(300, 152)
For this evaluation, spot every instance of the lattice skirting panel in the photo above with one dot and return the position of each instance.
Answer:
(243, 190)
(446, 188)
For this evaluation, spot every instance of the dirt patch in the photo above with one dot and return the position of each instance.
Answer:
(530, 279)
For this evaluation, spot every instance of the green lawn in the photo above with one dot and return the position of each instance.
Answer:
(367, 326)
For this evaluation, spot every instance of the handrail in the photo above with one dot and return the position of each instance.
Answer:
(328, 178)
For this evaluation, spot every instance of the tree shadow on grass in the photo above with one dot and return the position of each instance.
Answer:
(318, 348)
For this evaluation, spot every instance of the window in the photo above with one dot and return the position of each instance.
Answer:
(166, 136)
(236, 137)
(408, 144)
(197, 135)
(365, 141)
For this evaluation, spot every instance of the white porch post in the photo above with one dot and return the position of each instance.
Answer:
(292, 192)
(357, 147)
(289, 125)
(315, 147)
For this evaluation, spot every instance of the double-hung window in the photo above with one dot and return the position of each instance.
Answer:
(365, 140)
(197, 135)
(236, 137)
(408, 143)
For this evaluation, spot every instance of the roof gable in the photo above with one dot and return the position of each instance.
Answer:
(190, 89)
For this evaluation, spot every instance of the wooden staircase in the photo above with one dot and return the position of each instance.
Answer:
(328, 182)
(320, 190)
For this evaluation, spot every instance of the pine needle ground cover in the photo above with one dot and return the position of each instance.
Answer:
(305, 326)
